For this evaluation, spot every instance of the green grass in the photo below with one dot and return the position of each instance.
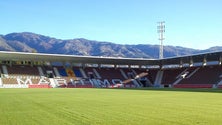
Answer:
(110, 107)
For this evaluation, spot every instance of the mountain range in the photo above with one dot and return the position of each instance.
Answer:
(31, 42)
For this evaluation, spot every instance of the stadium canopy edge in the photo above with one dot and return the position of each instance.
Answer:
(202, 58)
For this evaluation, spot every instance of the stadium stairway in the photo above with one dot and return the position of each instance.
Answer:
(181, 76)
(158, 80)
(55, 70)
(41, 73)
(219, 84)
(193, 72)
(96, 73)
(184, 76)
(201, 77)
(131, 78)
(5, 71)
(123, 74)
(1, 82)
(83, 73)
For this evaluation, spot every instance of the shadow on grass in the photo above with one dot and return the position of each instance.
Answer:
(210, 90)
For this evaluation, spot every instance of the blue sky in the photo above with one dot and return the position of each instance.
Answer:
(189, 23)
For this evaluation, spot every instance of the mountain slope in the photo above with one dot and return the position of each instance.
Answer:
(30, 42)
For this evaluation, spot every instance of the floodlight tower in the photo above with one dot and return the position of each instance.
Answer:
(161, 31)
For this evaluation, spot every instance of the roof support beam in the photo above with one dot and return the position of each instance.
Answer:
(191, 61)
(220, 60)
(205, 60)
(181, 63)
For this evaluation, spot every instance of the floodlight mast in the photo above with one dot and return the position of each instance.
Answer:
(161, 31)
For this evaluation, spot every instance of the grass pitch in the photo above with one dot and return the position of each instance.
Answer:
(110, 107)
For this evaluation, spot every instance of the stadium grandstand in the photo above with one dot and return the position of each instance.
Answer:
(37, 70)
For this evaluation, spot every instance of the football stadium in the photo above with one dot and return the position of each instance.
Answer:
(60, 89)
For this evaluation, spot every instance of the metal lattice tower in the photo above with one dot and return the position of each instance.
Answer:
(161, 31)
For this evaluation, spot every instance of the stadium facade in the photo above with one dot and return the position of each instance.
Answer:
(37, 70)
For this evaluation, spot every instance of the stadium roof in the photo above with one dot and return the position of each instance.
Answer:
(198, 58)
(17, 56)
